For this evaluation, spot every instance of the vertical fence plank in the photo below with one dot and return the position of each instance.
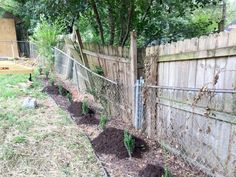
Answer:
(133, 69)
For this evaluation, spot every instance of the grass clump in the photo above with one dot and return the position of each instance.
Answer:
(103, 122)
(47, 71)
(20, 139)
(85, 108)
(129, 143)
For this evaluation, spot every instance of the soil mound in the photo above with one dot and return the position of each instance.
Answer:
(110, 141)
(152, 171)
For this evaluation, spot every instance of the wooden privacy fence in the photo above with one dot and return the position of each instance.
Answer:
(190, 98)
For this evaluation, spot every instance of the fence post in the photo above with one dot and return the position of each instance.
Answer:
(133, 69)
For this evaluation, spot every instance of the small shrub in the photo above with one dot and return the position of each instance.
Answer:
(69, 96)
(60, 89)
(129, 143)
(103, 122)
(85, 108)
(99, 70)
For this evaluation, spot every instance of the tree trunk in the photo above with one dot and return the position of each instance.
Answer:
(111, 23)
(222, 22)
(128, 24)
(94, 6)
(123, 11)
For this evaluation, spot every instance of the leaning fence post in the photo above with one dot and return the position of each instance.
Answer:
(133, 69)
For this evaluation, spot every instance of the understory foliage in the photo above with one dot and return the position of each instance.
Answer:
(129, 143)
(45, 37)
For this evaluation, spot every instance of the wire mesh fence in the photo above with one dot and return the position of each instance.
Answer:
(195, 124)
(104, 90)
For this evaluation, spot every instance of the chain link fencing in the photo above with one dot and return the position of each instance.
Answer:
(104, 90)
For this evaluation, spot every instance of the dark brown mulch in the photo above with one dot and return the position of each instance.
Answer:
(110, 141)
(152, 171)
(87, 120)
(75, 109)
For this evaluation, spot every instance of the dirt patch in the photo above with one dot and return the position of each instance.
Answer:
(152, 171)
(75, 109)
(54, 90)
(110, 141)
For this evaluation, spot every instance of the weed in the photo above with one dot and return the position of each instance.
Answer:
(129, 143)
(103, 122)
(99, 70)
(20, 139)
(85, 108)
(60, 89)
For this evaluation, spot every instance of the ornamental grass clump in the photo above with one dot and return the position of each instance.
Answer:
(129, 143)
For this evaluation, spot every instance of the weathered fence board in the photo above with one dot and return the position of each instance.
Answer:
(201, 125)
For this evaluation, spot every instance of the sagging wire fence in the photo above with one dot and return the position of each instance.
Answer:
(104, 90)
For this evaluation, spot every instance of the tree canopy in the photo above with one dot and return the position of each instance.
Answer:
(110, 21)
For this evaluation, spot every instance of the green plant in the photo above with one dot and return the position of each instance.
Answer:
(69, 96)
(103, 122)
(85, 108)
(60, 89)
(99, 70)
(20, 139)
(129, 143)
(47, 71)
(167, 173)
(45, 37)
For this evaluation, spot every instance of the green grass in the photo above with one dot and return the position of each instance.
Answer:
(42, 141)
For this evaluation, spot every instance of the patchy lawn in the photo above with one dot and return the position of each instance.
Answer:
(42, 141)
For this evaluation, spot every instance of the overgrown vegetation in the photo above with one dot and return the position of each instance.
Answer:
(129, 143)
(45, 37)
(103, 121)
(85, 108)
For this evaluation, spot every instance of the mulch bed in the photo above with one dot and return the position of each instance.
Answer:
(148, 158)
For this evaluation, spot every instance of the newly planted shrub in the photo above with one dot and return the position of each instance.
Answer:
(129, 143)
(103, 122)
(85, 108)
(69, 96)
